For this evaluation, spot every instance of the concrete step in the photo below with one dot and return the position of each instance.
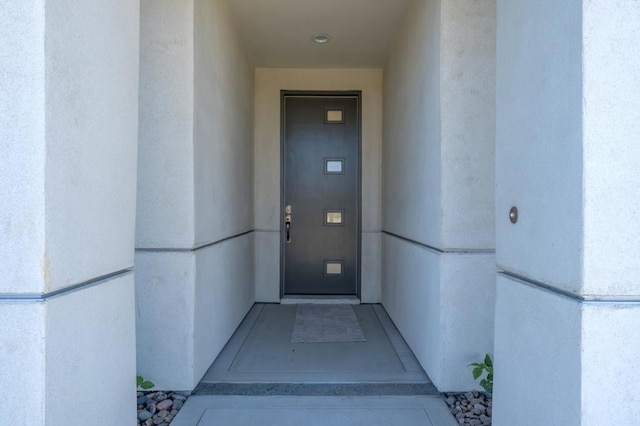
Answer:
(316, 389)
(218, 410)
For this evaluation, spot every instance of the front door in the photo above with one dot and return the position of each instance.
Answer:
(321, 200)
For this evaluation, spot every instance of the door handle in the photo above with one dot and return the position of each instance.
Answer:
(287, 224)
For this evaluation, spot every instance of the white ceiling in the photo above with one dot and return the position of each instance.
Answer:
(278, 33)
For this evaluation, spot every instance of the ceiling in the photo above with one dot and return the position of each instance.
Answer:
(278, 33)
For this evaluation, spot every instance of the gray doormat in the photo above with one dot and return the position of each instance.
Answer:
(326, 324)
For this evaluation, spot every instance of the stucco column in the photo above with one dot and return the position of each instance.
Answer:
(194, 234)
(568, 301)
(68, 135)
(438, 186)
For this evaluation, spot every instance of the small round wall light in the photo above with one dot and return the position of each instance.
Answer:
(513, 215)
(321, 38)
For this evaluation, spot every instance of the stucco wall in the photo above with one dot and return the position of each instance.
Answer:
(438, 160)
(467, 129)
(611, 114)
(566, 159)
(411, 147)
(539, 141)
(165, 171)
(195, 200)
(223, 126)
(22, 150)
(22, 353)
(69, 79)
(269, 83)
(538, 349)
(91, 339)
(91, 144)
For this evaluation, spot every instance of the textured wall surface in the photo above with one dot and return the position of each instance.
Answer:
(467, 110)
(438, 268)
(223, 127)
(195, 188)
(91, 132)
(537, 357)
(22, 353)
(609, 389)
(611, 114)
(165, 305)
(165, 170)
(91, 341)
(539, 141)
(567, 159)
(22, 147)
(411, 149)
(69, 77)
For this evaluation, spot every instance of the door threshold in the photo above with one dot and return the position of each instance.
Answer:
(320, 300)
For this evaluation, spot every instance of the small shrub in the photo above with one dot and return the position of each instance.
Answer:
(143, 384)
(480, 368)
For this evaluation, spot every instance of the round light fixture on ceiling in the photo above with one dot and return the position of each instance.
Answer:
(321, 38)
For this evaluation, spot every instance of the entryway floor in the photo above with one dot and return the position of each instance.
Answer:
(262, 378)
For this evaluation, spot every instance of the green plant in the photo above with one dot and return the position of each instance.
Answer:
(479, 368)
(143, 384)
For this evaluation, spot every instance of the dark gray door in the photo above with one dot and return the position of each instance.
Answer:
(320, 211)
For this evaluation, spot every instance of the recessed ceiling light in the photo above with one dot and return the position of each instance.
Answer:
(321, 38)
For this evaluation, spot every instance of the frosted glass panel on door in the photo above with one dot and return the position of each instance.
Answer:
(333, 268)
(335, 116)
(334, 166)
(333, 218)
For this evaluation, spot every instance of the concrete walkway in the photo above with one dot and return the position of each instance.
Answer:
(261, 378)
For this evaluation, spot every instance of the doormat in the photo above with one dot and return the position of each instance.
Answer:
(326, 324)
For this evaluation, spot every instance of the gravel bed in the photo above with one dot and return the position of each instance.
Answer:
(159, 408)
(470, 408)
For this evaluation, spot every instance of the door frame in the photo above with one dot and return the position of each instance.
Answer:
(320, 94)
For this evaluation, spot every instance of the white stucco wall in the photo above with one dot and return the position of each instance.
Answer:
(269, 83)
(22, 149)
(609, 388)
(91, 134)
(566, 158)
(411, 148)
(467, 110)
(539, 141)
(611, 114)
(438, 161)
(440, 126)
(22, 354)
(443, 305)
(223, 126)
(165, 171)
(194, 274)
(224, 294)
(70, 98)
(90, 348)
(198, 298)
(165, 301)
(611, 123)
(537, 360)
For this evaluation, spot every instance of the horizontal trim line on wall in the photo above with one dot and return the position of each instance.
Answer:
(41, 297)
(564, 293)
(438, 250)
(194, 248)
